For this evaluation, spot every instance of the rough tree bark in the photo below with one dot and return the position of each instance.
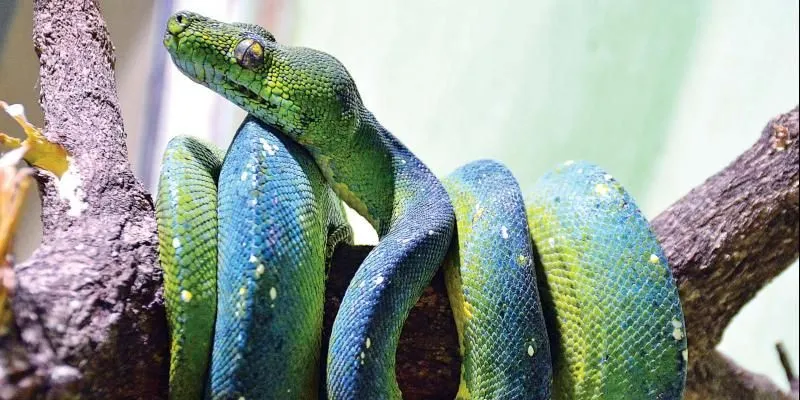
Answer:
(87, 305)
(88, 312)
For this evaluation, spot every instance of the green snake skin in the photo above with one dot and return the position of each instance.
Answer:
(491, 283)
(614, 317)
(565, 295)
(186, 209)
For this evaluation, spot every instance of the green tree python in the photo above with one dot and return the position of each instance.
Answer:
(563, 294)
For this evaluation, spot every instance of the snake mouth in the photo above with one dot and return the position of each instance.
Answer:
(218, 81)
(253, 97)
(271, 111)
(268, 110)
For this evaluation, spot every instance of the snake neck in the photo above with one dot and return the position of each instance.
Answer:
(363, 170)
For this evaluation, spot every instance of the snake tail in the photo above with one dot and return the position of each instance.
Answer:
(275, 216)
(491, 282)
(614, 316)
(186, 216)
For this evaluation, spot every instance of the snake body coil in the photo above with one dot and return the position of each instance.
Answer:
(614, 327)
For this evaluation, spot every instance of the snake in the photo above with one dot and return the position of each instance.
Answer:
(563, 292)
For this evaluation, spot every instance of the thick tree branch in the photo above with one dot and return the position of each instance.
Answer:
(89, 317)
(87, 304)
(729, 237)
(718, 377)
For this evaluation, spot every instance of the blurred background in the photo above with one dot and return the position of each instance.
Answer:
(661, 95)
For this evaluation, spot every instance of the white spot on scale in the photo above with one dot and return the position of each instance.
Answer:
(431, 232)
(259, 270)
(654, 259)
(685, 354)
(379, 280)
(244, 176)
(269, 148)
(363, 355)
(677, 331)
(186, 296)
(273, 293)
(504, 232)
(253, 258)
(530, 350)
(361, 285)
(253, 202)
(551, 242)
(403, 162)
(176, 243)
(368, 342)
(601, 189)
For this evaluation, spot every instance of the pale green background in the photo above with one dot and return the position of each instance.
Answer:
(660, 93)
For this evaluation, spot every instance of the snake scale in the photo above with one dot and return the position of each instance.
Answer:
(563, 294)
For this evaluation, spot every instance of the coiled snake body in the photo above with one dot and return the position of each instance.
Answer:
(587, 309)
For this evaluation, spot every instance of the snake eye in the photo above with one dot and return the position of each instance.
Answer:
(249, 54)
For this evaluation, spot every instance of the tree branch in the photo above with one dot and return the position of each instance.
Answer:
(88, 312)
(728, 238)
(87, 305)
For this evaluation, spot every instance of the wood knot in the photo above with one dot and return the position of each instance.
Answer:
(780, 137)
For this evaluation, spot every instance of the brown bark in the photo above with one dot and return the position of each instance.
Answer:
(88, 311)
(725, 240)
(87, 305)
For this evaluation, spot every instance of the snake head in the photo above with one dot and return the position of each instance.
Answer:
(304, 93)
